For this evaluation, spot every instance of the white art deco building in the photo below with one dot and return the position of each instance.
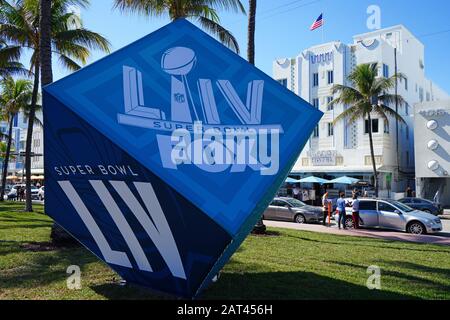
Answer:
(343, 149)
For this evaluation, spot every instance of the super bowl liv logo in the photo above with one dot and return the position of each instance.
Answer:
(195, 135)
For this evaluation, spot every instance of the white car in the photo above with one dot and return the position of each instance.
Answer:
(41, 193)
(390, 214)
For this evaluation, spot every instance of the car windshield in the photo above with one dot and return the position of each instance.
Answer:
(400, 205)
(295, 203)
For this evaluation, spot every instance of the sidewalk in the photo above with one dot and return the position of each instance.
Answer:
(443, 239)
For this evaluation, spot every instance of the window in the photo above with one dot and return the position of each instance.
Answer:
(421, 94)
(374, 126)
(407, 158)
(385, 70)
(428, 96)
(382, 206)
(283, 82)
(315, 103)
(367, 205)
(316, 132)
(329, 105)
(406, 108)
(406, 84)
(330, 129)
(278, 203)
(330, 77)
(315, 79)
(386, 127)
(407, 132)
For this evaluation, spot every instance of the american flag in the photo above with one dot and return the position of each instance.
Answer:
(318, 23)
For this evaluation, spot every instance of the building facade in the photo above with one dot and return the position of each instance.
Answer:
(17, 161)
(432, 150)
(343, 148)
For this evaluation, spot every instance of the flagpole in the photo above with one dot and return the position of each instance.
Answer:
(323, 27)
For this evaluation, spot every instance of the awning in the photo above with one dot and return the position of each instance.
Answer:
(344, 180)
(312, 179)
(290, 180)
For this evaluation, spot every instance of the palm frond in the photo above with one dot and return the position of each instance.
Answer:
(387, 112)
(68, 63)
(225, 36)
(352, 112)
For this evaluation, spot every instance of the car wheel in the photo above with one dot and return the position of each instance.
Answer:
(300, 219)
(349, 222)
(416, 227)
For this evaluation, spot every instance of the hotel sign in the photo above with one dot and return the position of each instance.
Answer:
(161, 157)
(323, 158)
(434, 112)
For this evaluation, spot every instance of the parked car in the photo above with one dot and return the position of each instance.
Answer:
(41, 193)
(34, 193)
(13, 193)
(423, 205)
(391, 214)
(289, 209)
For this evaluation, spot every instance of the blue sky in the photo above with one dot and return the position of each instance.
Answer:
(283, 28)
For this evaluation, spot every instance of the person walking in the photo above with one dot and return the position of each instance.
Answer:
(341, 210)
(408, 192)
(355, 211)
(325, 203)
(296, 192)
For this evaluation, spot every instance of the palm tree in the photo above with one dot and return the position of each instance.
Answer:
(251, 31)
(260, 227)
(16, 96)
(203, 11)
(9, 64)
(19, 26)
(367, 96)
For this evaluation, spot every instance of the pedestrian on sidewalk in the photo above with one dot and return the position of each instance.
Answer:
(325, 204)
(296, 192)
(341, 210)
(355, 211)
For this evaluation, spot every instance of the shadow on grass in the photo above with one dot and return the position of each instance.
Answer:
(418, 267)
(44, 267)
(292, 285)
(114, 291)
(424, 282)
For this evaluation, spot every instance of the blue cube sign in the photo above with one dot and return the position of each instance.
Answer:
(161, 157)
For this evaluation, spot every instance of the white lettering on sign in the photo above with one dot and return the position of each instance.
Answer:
(158, 230)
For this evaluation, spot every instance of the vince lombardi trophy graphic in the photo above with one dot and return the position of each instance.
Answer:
(178, 62)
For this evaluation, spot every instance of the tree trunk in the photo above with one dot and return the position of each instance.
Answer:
(45, 42)
(31, 117)
(372, 155)
(6, 161)
(58, 235)
(251, 31)
(260, 227)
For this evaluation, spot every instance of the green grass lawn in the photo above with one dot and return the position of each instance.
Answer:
(287, 264)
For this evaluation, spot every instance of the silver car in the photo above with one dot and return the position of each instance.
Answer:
(390, 214)
(289, 209)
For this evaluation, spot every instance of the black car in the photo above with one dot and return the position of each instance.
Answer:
(423, 205)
